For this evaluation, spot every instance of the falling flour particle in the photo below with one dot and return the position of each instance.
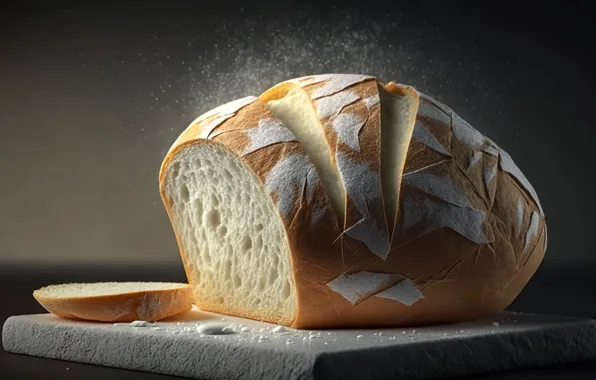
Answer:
(304, 46)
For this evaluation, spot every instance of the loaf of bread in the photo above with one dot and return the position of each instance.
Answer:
(335, 201)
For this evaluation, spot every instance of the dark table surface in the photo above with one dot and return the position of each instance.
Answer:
(561, 292)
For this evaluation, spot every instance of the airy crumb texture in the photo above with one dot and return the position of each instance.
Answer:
(77, 290)
(231, 235)
(116, 301)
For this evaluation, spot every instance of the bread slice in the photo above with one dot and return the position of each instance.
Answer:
(116, 301)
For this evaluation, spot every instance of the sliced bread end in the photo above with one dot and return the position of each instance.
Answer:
(116, 301)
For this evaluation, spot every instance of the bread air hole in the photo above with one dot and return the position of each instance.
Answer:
(227, 269)
(236, 281)
(198, 206)
(259, 242)
(211, 219)
(261, 284)
(175, 169)
(285, 290)
(207, 256)
(231, 235)
(273, 275)
(184, 194)
(246, 244)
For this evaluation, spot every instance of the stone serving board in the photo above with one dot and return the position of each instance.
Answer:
(257, 350)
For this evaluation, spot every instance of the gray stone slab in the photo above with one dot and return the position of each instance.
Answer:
(260, 351)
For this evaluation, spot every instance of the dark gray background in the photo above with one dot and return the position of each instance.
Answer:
(92, 96)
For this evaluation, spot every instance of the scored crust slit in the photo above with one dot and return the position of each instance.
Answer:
(293, 107)
(399, 105)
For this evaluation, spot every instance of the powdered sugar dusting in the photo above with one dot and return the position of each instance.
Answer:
(358, 286)
(371, 101)
(404, 292)
(228, 108)
(348, 126)
(267, 132)
(337, 83)
(221, 114)
(332, 105)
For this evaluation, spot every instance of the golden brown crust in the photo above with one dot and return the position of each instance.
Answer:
(460, 279)
(150, 305)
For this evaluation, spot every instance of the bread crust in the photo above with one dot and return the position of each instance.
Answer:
(146, 305)
(463, 271)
